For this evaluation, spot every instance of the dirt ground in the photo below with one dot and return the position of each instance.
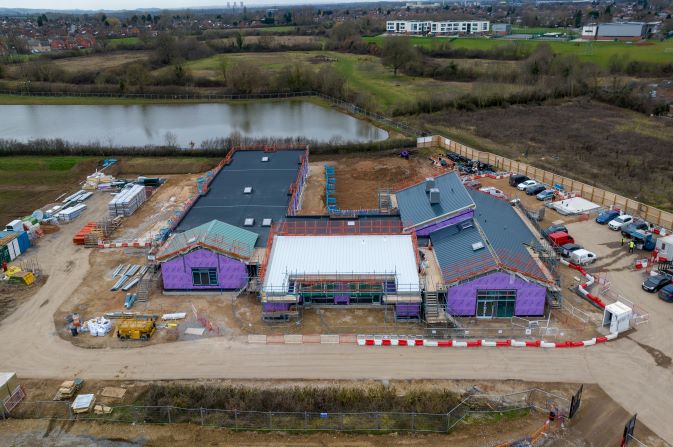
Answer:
(12, 295)
(159, 208)
(359, 176)
(313, 197)
(93, 62)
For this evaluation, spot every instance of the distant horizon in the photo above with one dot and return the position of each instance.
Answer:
(133, 5)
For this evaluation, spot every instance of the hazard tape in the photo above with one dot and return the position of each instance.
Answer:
(132, 244)
(384, 340)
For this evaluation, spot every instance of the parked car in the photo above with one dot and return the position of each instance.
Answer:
(527, 184)
(495, 192)
(566, 249)
(666, 293)
(606, 216)
(618, 222)
(476, 184)
(637, 224)
(534, 190)
(657, 282)
(546, 194)
(515, 179)
(553, 229)
(560, 238)
(583, 257)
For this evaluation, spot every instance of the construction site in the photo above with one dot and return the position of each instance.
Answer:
(274, 246)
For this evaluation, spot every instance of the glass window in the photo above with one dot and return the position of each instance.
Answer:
(204, 276)
(496, 303)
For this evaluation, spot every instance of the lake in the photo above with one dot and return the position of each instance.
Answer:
(158, 124)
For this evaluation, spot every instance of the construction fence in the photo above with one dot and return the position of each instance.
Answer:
(597, 195)
(473, 405)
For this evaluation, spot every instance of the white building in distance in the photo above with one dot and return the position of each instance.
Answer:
(430, 27)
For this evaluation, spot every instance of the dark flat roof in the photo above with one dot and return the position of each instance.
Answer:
(414, 204)
(226, 201)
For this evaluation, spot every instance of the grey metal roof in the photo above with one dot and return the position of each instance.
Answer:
(415, 206)
(226, 201)
(455, 255)
(621, 29)
(505, 233)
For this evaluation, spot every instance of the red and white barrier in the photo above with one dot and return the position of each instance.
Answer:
(384, 340)
(584, 286)
(129, 244)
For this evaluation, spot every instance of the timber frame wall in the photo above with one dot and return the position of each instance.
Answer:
(597, 195)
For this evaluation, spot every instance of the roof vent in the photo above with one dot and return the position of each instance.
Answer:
(467, 224)
(249, 222)
(191, 240)
(429, 183)
(265, 159)
(247, 190)
(434, 196)
(266, 222)
(477, 246)
(351, 223)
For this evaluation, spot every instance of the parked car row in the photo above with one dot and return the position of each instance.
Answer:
(630, 227)
(565, 245)
(662, 283)
(531, 187)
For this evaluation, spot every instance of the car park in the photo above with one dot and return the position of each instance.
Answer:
(656, 282)
(523, 186)
(583, 257)
(618, 222)
(666, 293)
(606, 216)
(567, 249)
(515, 179)
(546, 194)
(534, 190)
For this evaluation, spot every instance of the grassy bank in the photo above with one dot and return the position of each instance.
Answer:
(598, 52)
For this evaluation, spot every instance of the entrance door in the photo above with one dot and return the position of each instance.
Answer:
(486, 309)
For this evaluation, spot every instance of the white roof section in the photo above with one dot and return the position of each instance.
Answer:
(575, 205)
(345, 255)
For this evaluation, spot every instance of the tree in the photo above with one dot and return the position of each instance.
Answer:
(39, 21)
(166, 49)
(239, 40)
(578, 18)
(396, 52)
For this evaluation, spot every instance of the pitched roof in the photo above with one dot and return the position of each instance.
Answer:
(216, 236)
(505, 236)
(415, 207)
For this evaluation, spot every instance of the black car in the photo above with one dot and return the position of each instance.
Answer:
(553, 229)
(566, 249)
(535, 190)
(516, 179)
(657, 282)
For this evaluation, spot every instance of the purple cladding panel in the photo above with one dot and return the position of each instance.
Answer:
(342, 299)
(275, 307)
(530, 298)
(177, 273)
(406, 310)
(453, 220)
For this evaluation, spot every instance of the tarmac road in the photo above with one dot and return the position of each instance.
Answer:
(626, 370)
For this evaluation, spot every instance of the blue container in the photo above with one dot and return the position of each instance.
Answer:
(24, 241)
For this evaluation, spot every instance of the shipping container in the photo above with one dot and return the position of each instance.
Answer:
(24, 241)
(4, 254)
(14, 250)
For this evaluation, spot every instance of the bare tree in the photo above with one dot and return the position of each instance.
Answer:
(171, 139)
(397, 51)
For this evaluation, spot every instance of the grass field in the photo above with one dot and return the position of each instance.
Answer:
(541, 30)
(114, 43)
(598, 52)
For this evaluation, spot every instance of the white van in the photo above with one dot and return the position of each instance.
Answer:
(582, 257)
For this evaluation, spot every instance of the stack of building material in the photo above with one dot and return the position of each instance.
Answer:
(81, 235)
(71, 213)
(99, 327)
(21, 277)
(96, 179)
(68, 389)
(83, 403)
(127, 201)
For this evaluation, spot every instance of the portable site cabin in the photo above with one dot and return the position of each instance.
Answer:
(13, 244)
(617, 316)
(665, 248)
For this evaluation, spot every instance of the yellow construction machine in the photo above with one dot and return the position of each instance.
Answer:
(134, 329)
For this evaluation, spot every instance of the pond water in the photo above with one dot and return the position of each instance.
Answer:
(159, 124)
